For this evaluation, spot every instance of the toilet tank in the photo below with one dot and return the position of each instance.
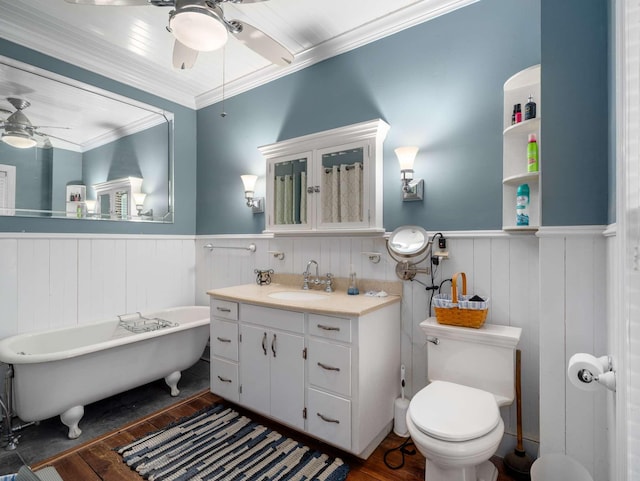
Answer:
(483, 358)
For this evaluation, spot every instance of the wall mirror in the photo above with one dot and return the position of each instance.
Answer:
(71, 150)
(409, 245)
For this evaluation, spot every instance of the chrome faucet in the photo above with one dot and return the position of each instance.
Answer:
(328, 282)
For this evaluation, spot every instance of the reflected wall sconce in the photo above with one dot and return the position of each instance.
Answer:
(256, 203)
(412, 189)
(139, 198)
(91, 207)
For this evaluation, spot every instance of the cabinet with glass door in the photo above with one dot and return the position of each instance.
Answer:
(326, 181)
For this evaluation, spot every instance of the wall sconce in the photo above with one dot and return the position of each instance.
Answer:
(411, 189)
(91, 207)
(256, 203)
(138, 198)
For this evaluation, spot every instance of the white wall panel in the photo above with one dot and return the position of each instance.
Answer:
(49, 281)
(8, 287)
(64, 282)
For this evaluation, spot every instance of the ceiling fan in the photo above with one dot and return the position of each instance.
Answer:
(200, 26)
(19, 132)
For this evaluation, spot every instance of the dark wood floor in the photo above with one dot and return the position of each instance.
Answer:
(96, 460)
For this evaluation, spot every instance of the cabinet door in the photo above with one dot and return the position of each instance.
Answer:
(254, 368)
(287, 377)
(343, 176)
(289, 193)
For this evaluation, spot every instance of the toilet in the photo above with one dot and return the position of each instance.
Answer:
(455, 421)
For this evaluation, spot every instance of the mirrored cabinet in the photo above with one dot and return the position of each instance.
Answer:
(327, 181)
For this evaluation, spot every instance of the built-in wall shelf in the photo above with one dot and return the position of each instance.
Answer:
(515, 138)
(520, 178)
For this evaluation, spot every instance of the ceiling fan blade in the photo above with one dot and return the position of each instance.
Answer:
(262, 44)
(246, 1)
(183, 56)
(50, 127)
(115, 3)
(6, 111)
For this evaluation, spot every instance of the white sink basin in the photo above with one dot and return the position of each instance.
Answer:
(297, 296)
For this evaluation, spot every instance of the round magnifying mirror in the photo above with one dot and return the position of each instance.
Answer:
(408, 241)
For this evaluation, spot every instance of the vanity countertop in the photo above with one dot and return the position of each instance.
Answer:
(336, 303)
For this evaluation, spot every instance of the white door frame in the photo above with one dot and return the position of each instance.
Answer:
(9, 208)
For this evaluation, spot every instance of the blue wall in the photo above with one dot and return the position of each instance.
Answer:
(33, 175)
(184, 152)
(439, 86)
(575, 127)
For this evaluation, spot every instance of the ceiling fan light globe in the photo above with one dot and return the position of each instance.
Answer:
(198, 29)
(19, 141)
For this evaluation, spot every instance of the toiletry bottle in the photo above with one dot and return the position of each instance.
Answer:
(532, 154)
(518, 113)
(530, 109)
(522, 205)
(353, 286)
(513, 115)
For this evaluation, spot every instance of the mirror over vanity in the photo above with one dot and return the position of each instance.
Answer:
(71, 150)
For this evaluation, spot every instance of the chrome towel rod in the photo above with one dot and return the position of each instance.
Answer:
(252, 247)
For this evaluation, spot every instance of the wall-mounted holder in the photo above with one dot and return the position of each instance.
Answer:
(251, 248)
(278, 255)
(374, 257)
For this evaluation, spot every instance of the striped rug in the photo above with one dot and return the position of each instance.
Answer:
(220, 444)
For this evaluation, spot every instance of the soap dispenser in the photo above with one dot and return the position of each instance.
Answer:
(353, 286)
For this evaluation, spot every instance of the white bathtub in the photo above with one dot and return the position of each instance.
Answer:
(60, 371)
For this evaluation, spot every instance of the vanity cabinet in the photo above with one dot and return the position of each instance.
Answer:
(326, 181)
(334, 377)
(224, 349)
(272, 364)
(517, 90)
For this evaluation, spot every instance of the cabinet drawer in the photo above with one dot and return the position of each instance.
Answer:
(273, 318)
(224, 379)
(224, 339)
(329, 418)
(330, 366)
(335, 328)
(224, 309)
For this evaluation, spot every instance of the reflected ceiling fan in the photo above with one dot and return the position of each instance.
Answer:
(200, 26)
(19, 132)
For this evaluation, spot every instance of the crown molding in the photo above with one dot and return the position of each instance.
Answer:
(124, 67)
(370, 32)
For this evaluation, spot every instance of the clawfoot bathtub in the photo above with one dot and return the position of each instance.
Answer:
(58, 372)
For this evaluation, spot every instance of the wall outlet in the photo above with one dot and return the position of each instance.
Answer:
(442, 243)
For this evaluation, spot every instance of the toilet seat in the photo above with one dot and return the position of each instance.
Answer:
(453, 412)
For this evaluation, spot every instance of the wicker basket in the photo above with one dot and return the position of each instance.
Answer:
(457, 310)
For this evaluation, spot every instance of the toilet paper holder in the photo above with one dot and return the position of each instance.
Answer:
(585, 371)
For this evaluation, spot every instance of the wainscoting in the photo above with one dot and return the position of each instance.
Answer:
(554, 286)
(49, 280)
(502, 266)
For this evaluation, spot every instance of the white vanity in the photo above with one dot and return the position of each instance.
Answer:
(326, 364)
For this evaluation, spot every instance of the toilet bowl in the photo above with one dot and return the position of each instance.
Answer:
(558, 466)
(457, 429)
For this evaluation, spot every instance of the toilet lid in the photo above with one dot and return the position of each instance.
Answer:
(453, 412)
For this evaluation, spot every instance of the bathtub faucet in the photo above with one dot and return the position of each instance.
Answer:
(328, 282)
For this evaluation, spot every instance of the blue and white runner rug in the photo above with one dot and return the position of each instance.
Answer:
(220, 444)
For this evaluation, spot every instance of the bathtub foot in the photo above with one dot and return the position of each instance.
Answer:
(172, 381)
(70, 418)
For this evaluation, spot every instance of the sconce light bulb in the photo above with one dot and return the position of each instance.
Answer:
(406, 157)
